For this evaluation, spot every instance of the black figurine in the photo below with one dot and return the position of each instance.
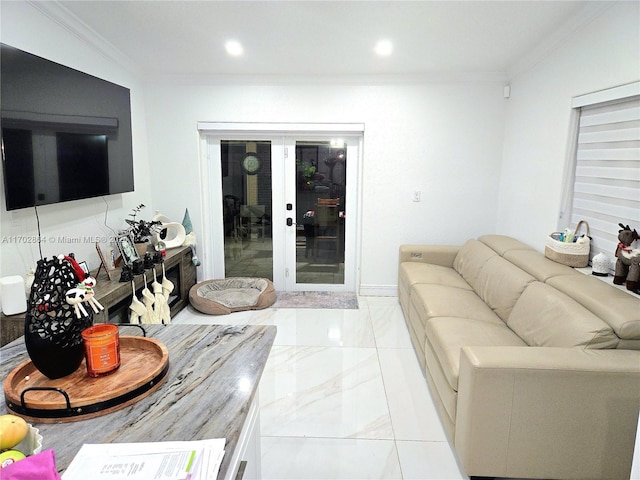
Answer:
(148, 261)
(158, 258)
(126, 275)
(138, 267)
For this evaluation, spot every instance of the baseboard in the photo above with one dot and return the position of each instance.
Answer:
(378, 290)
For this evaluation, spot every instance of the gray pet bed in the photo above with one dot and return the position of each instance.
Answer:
(227, 295)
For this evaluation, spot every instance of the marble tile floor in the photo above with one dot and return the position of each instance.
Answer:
(343, 397)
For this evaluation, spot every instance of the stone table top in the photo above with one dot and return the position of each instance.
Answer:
(214, 371)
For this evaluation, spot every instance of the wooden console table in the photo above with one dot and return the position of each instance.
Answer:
(115, 296)
(211, 391)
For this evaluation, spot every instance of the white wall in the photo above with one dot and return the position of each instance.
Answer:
(483, 163)
(442, 139)
(67, 227)
(603, 53)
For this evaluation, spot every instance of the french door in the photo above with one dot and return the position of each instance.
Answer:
(287, 207)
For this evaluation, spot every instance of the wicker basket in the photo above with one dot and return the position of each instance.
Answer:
(572, 254)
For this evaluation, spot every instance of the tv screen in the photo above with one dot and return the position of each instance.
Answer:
(66, 135)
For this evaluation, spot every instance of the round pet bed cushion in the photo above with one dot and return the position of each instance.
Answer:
(227, 295)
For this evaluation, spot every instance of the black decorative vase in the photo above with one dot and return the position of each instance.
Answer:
(52, 329)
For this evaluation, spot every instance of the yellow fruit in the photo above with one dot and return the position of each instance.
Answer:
(13, 429)
(9, 457)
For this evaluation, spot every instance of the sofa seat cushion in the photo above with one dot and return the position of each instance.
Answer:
(619, 309)
(442, 301)
(449, 334)
(545, 317)
(415, 322)
(444, 394)
(412, 273)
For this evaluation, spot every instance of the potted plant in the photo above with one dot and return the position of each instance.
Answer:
(307, 172)
(141, 230)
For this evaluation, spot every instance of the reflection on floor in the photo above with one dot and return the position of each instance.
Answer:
(343, 397)
(253, 257)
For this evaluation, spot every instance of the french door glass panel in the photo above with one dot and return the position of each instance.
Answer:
(320, 211)
(320, 183)
(247, 208)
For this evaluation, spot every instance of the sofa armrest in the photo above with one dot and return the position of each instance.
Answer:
(442, 255)
(535, 412)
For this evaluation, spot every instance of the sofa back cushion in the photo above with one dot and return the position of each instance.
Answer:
(545, 317)
(502, 244)
(495, 280)
(618, 308)
(536, 264)
(472, 257)
(500, 284)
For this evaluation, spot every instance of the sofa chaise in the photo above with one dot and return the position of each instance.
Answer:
(534, 366)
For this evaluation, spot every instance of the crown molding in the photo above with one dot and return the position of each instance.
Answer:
(372, 80)
(554, 41)
(59, 14)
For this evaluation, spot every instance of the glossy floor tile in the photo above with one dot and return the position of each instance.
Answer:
(310, 327)
(321, 459)
(427, 460)
(410, 405)
(324, 392)
(343, 397)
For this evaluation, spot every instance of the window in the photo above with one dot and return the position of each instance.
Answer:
(603, 181)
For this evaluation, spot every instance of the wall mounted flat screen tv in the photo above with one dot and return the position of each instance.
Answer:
(66, 135)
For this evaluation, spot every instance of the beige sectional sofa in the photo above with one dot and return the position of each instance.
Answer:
(534, 367)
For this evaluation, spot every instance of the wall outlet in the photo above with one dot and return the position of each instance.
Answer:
(416, 196)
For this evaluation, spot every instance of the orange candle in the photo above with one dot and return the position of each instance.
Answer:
(102, 349)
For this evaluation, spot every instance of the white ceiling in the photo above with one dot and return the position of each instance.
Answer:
(328, 38)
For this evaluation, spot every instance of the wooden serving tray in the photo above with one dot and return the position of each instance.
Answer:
(144, 363)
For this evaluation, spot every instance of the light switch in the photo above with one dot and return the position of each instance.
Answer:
(416, 195)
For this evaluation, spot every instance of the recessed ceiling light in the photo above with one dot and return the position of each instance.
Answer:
(383, 48)
(233, 47)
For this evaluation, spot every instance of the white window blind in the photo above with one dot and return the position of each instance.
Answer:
(606, 187)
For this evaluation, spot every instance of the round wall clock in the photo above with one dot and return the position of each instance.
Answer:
(251, 163)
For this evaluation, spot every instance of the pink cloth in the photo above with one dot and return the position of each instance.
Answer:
(41, 466)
